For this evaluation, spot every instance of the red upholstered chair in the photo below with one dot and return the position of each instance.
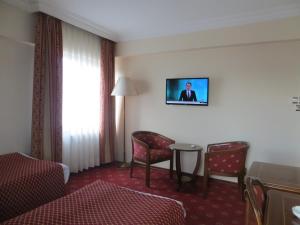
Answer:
(256, 199)
(149, 148)
(225, 159)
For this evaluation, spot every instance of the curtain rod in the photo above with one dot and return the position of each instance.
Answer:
(18, 41)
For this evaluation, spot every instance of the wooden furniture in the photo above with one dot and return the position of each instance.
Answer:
(225, 159)
(149, 148)
(250, 217)
(278, 177)
(279, 208)
(255, 201)
(178, 148)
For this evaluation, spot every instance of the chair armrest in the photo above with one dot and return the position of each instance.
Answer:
(140, 149)
(165, 141)
(232, 145)
(227, 152)
(139, 143)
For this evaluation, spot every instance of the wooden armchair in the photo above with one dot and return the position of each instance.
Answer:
(225, 159)
(256, 201)
(149, 148)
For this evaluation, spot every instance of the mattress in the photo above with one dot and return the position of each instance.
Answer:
(27, 183)
(66, 169)
(103, 203)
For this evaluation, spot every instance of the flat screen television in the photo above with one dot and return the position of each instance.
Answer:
(187, 91)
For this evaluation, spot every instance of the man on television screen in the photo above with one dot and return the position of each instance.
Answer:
(188, 94)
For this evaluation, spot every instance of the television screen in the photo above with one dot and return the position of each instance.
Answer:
(187, 91)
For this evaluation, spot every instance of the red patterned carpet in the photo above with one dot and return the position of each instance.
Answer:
(223, 205)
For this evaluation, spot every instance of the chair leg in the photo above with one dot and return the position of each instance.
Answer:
(171, 167)
(131, 167)
(242, 184)
(239, 181)
(205, 183)
(148, 175)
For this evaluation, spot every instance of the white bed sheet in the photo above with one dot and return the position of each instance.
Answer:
(66, 169)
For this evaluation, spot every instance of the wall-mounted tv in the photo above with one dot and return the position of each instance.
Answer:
(187, 91)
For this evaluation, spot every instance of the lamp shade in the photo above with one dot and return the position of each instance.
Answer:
(124, 87)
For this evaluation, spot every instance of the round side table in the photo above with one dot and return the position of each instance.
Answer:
(178, 148)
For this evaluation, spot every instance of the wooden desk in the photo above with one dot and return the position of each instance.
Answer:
(278, 177)
(279, 208)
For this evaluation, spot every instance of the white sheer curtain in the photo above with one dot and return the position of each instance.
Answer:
(81, 98)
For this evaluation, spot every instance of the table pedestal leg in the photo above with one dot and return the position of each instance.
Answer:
(178, 170)
(179, 173)
(197, 167)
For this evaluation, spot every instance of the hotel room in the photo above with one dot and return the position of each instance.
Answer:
(150, 112)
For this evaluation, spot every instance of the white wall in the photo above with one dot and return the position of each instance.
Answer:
(16, 74)
(251, 88)
(270, 31)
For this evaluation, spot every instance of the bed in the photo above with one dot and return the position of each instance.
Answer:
(26, 183)
(66, 169)
(107, 204)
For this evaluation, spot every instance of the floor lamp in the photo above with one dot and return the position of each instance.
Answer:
(124, 87)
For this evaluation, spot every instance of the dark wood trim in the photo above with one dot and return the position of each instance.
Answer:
(278, 208)
(179, 173)
(197, 167)
(171, 167)
(178, 169)
(257, 209)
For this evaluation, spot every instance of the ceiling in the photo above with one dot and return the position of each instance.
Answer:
(124, 20)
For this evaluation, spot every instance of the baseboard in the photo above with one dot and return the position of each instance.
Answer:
(114, 163)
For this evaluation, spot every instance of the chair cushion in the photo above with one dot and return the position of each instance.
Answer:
(226, 163)
(156, 155)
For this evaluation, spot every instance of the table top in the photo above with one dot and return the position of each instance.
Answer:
(185, 147)
(275, 176)
(279, 208)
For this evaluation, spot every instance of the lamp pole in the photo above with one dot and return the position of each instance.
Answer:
(124, 164)
(124, 88)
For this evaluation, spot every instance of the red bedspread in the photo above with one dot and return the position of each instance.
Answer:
(107, 204)
(27, 183)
